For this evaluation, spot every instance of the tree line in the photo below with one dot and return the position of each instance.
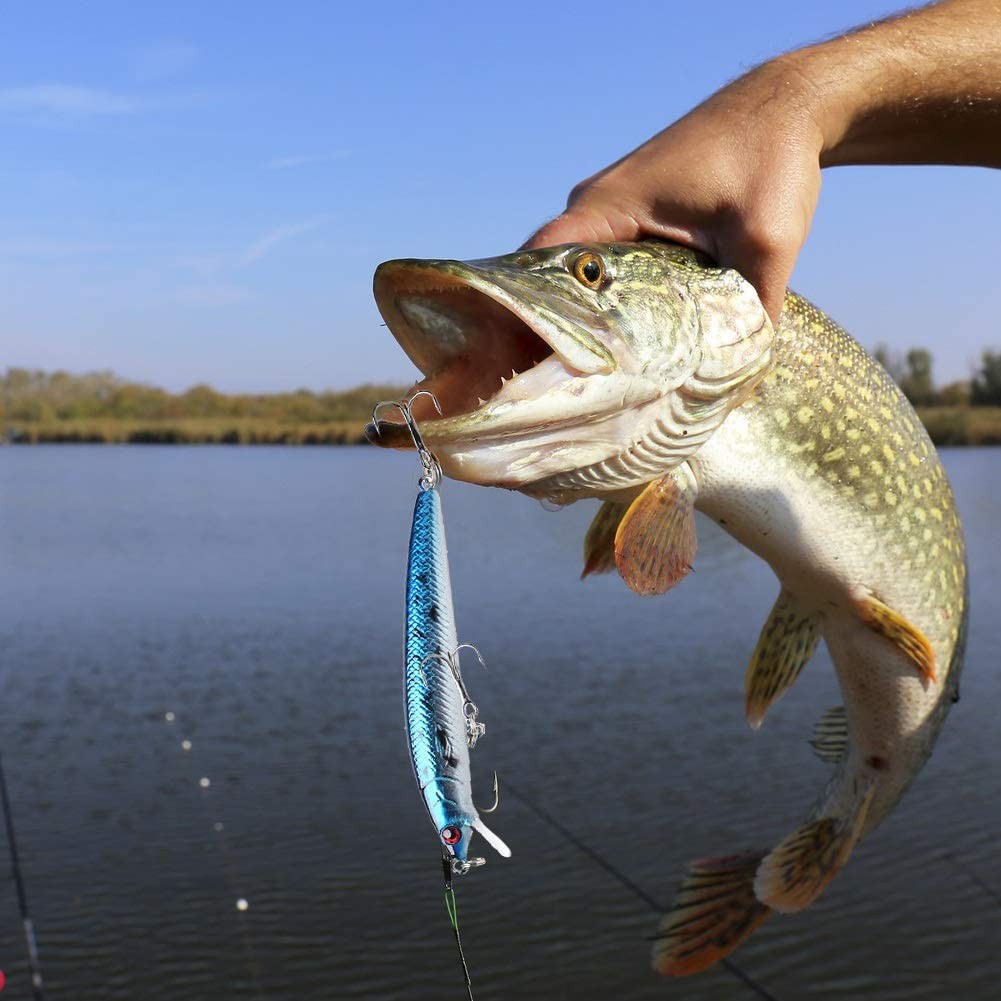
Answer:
(913, 373)
(35, 396)
(39, 397)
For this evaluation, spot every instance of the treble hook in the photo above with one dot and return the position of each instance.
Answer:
(474, 728)
(496, 797)
(432, 468)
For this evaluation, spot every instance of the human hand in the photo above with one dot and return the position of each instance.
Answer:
(737, 178)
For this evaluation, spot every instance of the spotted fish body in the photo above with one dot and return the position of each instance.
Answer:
(828, 474)
(435, 717)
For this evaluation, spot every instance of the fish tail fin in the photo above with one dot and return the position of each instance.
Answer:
(491, 839)
(713, 912)
(797, 870)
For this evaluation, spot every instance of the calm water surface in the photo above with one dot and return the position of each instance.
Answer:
(256, 594)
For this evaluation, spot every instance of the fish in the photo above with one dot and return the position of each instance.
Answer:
(441, 720)
(643, 375)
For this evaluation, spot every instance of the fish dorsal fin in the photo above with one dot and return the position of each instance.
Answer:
(830, 736)
(655, 541)
(786, 643)
(713, 912)
(795, 873)
(491, 838)
(599, 543)
(913, 643)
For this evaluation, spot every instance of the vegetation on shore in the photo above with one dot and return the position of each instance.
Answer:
(42, 407)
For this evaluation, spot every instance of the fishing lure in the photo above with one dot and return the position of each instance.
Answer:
(442, 724)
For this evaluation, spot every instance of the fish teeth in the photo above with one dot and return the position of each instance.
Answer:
(513, 373)
(481, 401)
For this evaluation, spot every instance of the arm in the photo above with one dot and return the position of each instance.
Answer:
(739, 176)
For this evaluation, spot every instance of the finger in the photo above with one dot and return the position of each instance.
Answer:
(573, 226)
(764, 258)
(770, 278)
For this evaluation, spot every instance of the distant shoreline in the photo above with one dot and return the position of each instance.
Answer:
(958, 425)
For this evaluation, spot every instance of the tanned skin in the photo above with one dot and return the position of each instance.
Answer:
(739, 176)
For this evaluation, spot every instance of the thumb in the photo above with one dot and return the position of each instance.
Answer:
(583, 225)
(768, 273)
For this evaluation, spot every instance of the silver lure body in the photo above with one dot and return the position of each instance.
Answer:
(436, 706)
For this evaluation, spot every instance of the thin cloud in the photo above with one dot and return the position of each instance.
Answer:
(64, 99)
(280, 234)
(303, 160)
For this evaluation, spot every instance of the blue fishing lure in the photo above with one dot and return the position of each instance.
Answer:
(441, 718)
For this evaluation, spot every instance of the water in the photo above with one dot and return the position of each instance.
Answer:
(256, 594)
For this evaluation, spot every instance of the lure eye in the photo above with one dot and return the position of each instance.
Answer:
(589, 269)
(451, 835)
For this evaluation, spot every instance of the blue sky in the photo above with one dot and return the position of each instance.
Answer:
(200, 192)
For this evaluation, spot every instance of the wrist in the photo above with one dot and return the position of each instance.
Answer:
(834, 93)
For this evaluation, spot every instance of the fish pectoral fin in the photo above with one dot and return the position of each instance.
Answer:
(655, 541)
(787, 641)
(599, 542)
(830, 736)
(913, 643)
(795, 873)
(713, 912)
(491, 838)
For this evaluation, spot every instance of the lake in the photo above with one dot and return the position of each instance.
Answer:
(249, 602)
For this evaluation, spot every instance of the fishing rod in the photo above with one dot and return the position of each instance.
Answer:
(37, 986)
(629, 884)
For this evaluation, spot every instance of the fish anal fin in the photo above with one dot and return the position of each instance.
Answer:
(787, 641)
(713, 912)
(830, 736)
(655, 541)
(599, 542)
(882, 619)
(795, 873)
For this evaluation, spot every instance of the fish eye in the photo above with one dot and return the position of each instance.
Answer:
(451, 835)
(589, 269)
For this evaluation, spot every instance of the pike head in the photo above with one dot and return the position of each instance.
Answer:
(572, 371)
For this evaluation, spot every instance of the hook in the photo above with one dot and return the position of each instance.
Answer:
(432, 468)
(474, 728)
(469, 646)
(496, 797)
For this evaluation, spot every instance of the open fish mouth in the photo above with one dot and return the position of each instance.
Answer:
(491, 341)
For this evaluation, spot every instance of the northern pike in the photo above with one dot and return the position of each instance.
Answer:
(642, 375)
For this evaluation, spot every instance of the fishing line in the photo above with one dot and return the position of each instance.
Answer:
(453, 917)
(37, 987)
(974, 877)
(613, 871)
